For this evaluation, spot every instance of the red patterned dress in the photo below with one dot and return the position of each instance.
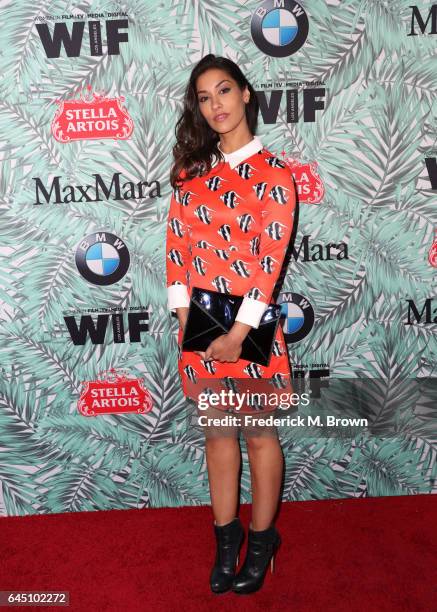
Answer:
(228, 231)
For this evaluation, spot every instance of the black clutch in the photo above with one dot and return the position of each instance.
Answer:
(212, 314)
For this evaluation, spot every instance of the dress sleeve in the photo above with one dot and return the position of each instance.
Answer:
(177, 254)
(278, 208)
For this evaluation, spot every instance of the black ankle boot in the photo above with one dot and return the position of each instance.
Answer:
(229, 538)
(261, 548)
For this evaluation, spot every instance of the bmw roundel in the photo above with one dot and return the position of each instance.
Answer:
(102, 258)
(279, 27)
(299, 316)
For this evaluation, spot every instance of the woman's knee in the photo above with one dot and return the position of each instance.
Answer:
(220, 444)
(258, 442)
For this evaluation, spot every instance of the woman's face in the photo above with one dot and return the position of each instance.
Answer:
(221, 102)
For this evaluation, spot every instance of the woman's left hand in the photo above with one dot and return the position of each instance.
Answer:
(224, 348)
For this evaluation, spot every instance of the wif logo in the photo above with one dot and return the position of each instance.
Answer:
(87, 327)
(71, 40)
(311, 100)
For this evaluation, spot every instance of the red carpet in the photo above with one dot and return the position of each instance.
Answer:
(343, 555)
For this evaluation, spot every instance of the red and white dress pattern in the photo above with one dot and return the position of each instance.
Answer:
(228, 231)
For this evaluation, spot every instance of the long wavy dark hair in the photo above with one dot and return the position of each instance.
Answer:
(196, 141)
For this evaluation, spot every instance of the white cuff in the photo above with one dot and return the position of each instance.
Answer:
(177, 296)
(251, 312)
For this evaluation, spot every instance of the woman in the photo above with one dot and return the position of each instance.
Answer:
(230, 221)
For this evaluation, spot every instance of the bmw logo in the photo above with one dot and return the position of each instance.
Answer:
(299, 316)
(102, 258)
(279, 27)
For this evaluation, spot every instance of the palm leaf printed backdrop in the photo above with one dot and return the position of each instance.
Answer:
(370, 142)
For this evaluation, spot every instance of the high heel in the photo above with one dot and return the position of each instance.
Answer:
(229, 539)
(261, 548)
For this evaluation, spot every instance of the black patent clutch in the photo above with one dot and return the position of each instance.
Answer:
(212, 314)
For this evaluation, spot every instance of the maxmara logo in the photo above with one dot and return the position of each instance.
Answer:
(426, 313)
(100, 190)
(426, 24)
(70, 37)
(92, 118)
(313, 251)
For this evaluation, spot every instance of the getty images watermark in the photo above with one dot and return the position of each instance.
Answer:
(231, 401)
(334, 407)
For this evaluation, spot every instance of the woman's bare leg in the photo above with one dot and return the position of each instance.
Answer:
(223, 459)
(266, 462)
(223, 463)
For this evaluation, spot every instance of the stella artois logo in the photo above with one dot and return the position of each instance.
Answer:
(114, 392)
(432, 255)
(309, 185)
(91, 118)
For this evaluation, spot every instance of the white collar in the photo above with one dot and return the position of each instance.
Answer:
(238, 156)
